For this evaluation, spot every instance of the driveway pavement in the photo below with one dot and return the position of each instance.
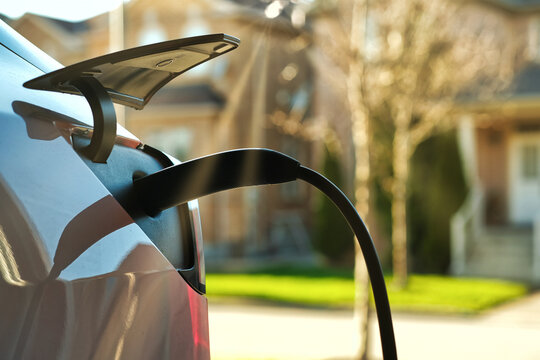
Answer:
(262, 332)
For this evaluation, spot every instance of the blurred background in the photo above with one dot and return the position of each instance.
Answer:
(425, 113)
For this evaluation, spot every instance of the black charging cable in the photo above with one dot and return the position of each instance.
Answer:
(248, 167)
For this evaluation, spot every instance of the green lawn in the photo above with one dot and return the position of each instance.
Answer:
(334, 288)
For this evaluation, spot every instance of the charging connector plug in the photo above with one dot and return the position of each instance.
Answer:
(248, 167)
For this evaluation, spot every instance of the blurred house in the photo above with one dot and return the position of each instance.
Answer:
(497, 231)
(224, 104)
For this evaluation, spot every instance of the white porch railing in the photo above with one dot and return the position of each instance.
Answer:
(466, 225)
(536, 251)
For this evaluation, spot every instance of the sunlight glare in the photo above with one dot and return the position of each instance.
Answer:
(273, 10)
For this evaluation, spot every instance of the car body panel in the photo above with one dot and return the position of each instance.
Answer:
(78, 278)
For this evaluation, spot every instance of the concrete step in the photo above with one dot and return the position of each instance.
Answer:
(503, 233)
(504, 253)
(521, 252)
(506, 271)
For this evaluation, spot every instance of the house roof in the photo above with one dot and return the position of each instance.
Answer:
(67, 34)
(516, 5)
(277, 14)
(72, 27)
(521, 98)
(526, 82)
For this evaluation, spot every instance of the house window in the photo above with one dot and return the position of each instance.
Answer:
(529, 162)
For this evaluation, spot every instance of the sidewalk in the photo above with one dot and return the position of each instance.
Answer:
(261, 332)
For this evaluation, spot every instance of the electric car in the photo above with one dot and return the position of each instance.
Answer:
(85, 273)
(100, 240)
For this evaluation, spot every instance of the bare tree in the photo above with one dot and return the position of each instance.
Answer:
(405, 63)
(424, 54)
(339, 39)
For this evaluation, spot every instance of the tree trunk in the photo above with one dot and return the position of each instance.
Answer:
(360, 134)
(361, 187)
(361, 277)
(361, 303)
(399, 199)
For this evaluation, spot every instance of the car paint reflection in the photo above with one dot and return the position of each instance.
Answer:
(83, 231)
(78, 279)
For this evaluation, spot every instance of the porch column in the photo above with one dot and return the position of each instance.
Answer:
(467, 214)
(457, 228)
(536, 251)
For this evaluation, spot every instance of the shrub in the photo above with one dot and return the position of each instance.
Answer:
(437, 190)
